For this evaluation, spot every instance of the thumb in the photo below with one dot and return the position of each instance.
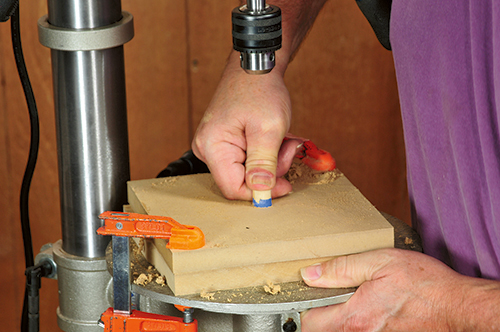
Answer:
(262, 158)
(346, 271)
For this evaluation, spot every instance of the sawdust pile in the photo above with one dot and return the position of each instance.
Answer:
(272, 289)
(301, 173)
(145, 278)
(207, 296)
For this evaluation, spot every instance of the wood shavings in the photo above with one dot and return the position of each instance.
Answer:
(299, 172)
(142, 280)
(160, 280)
(140, 247)
(207, 296)
(145, 278)
(272, 289)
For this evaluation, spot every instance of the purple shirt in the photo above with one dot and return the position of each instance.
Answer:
(447, 58)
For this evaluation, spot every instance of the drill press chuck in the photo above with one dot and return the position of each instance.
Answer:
(257, 35)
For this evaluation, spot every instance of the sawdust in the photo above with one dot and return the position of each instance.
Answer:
(146, 278)
(408, 241)
(161, 280)
(165, 181)
(301, 173)
(142, 280)
(207, 296)
(140, 247)
(272, 289)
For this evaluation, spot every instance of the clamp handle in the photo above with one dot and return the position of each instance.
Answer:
(145, 226)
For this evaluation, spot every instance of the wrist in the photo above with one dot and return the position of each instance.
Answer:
(475, 307)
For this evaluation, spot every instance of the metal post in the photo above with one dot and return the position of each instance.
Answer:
(86, 38)
(257, 323)
(91, 120)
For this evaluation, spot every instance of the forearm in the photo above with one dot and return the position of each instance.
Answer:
(478, 306)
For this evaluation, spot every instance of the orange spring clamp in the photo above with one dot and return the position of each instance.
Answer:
(316, 159)
(122, 225)
(142, 321)
(145, 226)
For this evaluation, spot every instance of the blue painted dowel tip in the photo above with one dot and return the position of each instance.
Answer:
(262, 198)
(262, 203)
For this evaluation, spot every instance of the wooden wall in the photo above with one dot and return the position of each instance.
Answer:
(343, 91)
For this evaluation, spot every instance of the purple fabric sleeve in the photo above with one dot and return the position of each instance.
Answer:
(447, 58)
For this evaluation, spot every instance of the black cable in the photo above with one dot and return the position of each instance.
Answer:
(34, 276)
(35, 137)
(33, 152)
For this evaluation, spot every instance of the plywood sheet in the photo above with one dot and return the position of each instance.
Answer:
(316, 221)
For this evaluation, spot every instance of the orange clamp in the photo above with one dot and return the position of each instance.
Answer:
(317, 159)
(142, 321)
(145, 226)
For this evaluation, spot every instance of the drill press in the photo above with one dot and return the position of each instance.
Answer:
(91, 123)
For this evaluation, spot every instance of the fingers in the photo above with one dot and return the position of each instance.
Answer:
(321, 319)
(346, 271)
(227, 165)
(286, 154)
(228, 171)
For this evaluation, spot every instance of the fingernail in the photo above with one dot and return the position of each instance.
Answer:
(262, 179)
(312, 272)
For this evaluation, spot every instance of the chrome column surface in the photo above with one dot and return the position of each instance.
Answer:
(91, 123)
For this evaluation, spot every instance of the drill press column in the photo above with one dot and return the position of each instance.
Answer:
(91, 119)
(86, 38)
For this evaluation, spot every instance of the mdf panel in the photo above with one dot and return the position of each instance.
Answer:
(243, 246)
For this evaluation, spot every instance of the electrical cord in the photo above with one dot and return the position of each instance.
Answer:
(32, 157)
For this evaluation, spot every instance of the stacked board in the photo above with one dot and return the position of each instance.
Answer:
(246, 246)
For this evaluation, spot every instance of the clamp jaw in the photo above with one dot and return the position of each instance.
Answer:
(121, 226)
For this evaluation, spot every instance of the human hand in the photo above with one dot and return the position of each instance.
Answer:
(399, 290)
(241, 134)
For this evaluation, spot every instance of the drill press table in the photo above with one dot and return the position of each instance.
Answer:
(294, 296)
